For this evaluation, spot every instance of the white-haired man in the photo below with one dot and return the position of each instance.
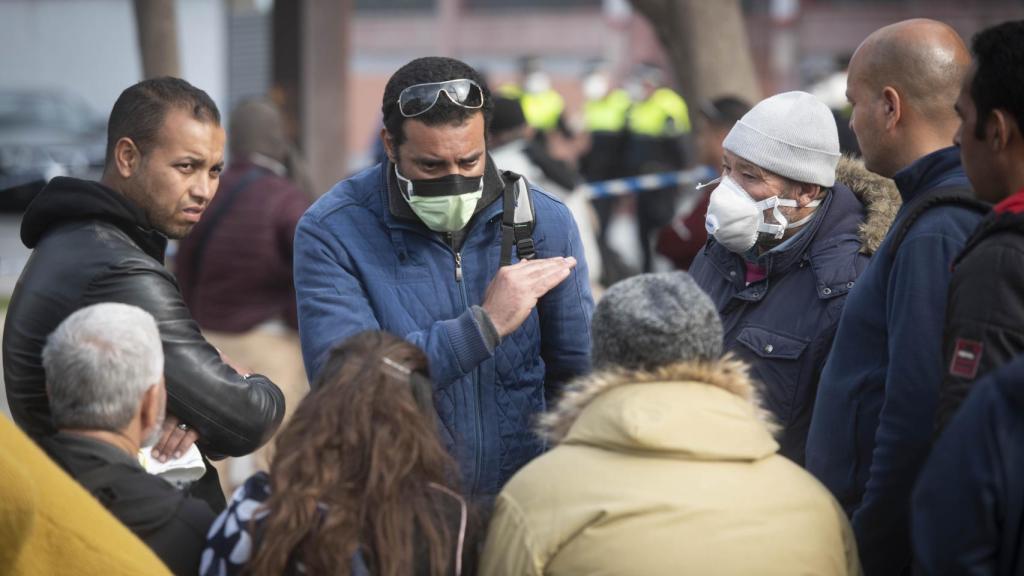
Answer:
(104, 369)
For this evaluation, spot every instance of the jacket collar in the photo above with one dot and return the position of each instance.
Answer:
(1007, 215)
(940, 168)
(66, 200)
(699, 410)
(780, 261)
(1012, 204)
(91, 448)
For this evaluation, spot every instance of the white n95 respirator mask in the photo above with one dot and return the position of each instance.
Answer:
(735, 219)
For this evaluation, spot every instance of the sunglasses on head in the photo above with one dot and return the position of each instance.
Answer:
(419, 98)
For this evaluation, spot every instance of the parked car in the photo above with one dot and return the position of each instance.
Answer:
(43, 134)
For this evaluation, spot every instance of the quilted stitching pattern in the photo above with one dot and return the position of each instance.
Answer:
(411, 293)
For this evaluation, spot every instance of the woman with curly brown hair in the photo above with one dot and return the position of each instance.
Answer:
(359, 483)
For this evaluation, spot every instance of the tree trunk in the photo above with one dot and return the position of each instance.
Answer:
(157, 28)
(707, 44)
(325, 63)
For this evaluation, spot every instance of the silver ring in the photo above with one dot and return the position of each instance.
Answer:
(183, 426)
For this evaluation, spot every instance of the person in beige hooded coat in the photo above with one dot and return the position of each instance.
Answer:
(665, 461)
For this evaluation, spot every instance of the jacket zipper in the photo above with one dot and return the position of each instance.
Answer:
(478, 421)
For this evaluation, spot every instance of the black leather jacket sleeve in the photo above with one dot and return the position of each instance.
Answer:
(233, 415)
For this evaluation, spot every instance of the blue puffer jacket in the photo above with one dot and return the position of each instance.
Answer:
(968, 509)
(358, 267)
(783, 325)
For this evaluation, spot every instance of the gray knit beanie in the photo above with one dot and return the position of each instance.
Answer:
(792, 134)
(652, 320)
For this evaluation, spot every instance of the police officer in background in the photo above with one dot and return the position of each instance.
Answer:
(542, 105)
(656, 125)
(604, 119)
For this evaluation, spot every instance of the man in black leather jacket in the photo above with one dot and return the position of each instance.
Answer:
(104, 242)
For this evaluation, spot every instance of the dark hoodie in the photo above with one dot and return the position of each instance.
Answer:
(169, 522)
(70, 200)
(92, 245)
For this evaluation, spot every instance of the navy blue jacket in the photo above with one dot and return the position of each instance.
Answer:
(873, 418)
(783, 325)
(968, 508)
(359, 267)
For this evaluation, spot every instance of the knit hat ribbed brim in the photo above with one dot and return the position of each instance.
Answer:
(792, 134)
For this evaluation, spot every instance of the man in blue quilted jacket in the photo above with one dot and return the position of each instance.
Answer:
(415, 246)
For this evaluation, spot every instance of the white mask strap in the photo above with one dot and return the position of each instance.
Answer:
(773, 203)
(701, 186)
(805, 219)
(407, 191)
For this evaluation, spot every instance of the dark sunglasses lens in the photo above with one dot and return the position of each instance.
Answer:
(465, 93)
(417, 100)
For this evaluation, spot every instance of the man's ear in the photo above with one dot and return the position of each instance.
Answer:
(892, 107)
(127, 157)
(807, 193)
(389, 145)
(154, 402)
(1000, 129)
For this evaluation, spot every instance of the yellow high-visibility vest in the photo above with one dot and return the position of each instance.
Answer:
(541, 109)
(664, 113)
(607, 114)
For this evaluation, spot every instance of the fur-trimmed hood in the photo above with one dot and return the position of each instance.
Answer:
(702, 410)
(878, 194)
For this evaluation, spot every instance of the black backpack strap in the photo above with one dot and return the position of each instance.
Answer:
(516, 219)
(209, 223)
(943, 196)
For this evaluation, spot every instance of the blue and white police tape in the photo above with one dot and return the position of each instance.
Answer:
(636, 184)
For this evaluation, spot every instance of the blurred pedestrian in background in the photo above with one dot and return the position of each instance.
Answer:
(686, 234)
(542, 104)
(235, 269)
(605, 108)
(657, 123)
(513, 147)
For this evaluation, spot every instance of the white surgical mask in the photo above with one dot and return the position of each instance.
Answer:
(735, 219)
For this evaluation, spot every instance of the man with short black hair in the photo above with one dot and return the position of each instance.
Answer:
(104, 242)
(985, 314)
(104, 377)
(438, 246)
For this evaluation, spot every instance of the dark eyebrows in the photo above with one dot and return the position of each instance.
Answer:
(198, 161)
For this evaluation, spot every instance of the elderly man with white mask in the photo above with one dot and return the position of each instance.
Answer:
(791, 226)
